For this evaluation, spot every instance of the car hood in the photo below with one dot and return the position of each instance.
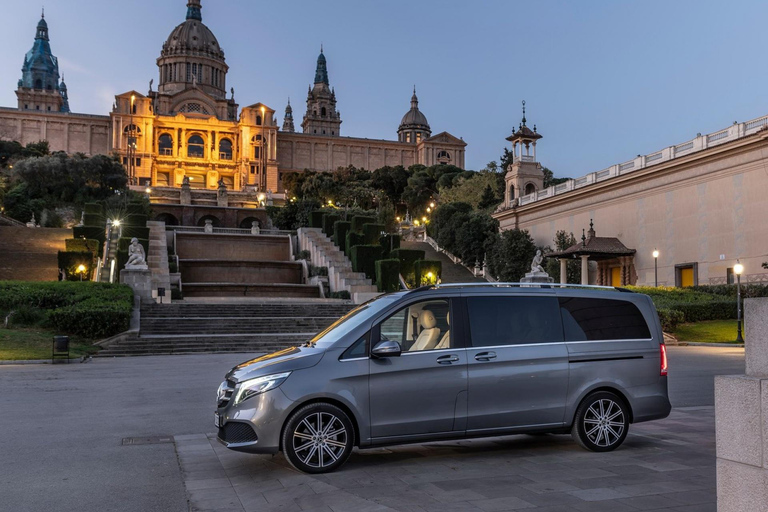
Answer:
(289, 359)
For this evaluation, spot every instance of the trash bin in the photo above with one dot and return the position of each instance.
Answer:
(60, 347)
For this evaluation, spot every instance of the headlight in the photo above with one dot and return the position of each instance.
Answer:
(253, 387)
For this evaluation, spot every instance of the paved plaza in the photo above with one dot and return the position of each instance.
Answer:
(137, 434)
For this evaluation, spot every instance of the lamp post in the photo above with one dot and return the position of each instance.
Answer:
(131, 144)
(656, 267)
(81, 271)
(738, 269)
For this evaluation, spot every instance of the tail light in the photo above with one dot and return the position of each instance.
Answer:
(663, 364)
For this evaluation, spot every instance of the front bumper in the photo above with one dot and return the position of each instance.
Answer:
(255, 425)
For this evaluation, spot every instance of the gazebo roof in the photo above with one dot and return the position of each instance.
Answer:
(597, 248)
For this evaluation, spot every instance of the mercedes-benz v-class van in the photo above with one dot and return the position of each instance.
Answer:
(453, 362)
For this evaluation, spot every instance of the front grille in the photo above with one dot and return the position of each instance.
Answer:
(236, 433)
(226, 390)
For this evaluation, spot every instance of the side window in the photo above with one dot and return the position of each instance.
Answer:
(497, 321)
(592, 319)
(421, 326)
(358, 350)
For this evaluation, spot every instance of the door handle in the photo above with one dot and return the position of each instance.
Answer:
(448, 359)
(485, 356)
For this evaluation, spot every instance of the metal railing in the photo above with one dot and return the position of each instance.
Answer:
(524, 285)
(230, 231)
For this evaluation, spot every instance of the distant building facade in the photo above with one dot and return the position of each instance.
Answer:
(701, 204)
(192, 127)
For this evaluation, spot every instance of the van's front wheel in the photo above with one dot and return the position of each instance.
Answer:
(601, 423)
(318, 438)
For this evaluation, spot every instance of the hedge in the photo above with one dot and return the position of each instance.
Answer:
(353, 239)
(715, 310)
(329, 219)
(94, 220)
(388, 275)
(134, 220)
(316, 219)
(91, 233)
(670, 318)
(387, 242)
(70, 261)
(135, 209)
(372, 233)
(81, 245)
(340, 230)
(364, 259)
(135, 232)
(408, 258)
(93, 209)
(343, 294)
(359, 220)
(92, 310)
(695, 304)
(423, 268)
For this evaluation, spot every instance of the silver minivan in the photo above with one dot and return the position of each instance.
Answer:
(451, 362)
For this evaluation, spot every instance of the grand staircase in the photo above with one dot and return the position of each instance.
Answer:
(192, 328)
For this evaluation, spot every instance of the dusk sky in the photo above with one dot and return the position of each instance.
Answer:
(603, 80)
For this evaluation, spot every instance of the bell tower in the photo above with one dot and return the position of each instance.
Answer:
(524, 175)
(322, 118)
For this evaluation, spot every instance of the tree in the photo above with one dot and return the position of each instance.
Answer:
(506, 160)
(550, 180)
(511, 257)
(563, 241)
(472, 187)
(476, 237)
(488, 200)
(392, 181)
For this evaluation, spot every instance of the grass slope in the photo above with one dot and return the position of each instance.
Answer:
(714, 331)
(22, 344)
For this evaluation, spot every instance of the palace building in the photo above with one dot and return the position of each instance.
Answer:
(191, 128)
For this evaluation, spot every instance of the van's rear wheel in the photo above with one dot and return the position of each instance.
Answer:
(601, 423)
(318, 438)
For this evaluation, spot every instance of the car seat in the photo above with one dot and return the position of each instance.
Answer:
(429, 334)
(446, 341)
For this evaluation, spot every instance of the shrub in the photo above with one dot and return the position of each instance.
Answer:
(340, 230)
(329, 219)
(714, 310)
(318, 271)
(372, 233)
(343, 294)
(359, 220)
(408, 259)
(316, 219)
(70, 261)
(29, 316)
(176, 294)
(364, 259)
(388, 275)
(94, 220)
(389, 243)
(173, 267)
(427, 272)
(94, 209)
(92, 319)
(134, 220)
(353, 239)
(670, 318)
(135, 232)
(91, 233)
(81, 245)
(305, 255)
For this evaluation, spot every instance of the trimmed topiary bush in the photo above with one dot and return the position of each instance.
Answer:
(408, 259)
(353, 239)
(670, 318)
(81, 245)
(329, 219)
(364, 259)
(427, 272)
(141, 233)
(94, 209)
(135, 220)
(343, 294)
(70, 261)
(359, 220)
(316, 219)
(388, 275)
(340, 230)
(91, 233)
(389, 243)
(94, 220)
(372, 233)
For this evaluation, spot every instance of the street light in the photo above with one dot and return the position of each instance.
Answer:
(656, 267)
(81, 271)
(738, 269)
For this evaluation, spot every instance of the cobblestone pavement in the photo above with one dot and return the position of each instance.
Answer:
(663, 465)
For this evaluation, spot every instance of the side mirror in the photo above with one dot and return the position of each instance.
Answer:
(386, 348)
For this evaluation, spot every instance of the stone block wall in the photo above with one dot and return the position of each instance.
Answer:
(741, 424)
(31, 254)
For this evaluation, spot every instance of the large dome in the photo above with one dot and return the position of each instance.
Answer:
(414, 119)
(193, 37)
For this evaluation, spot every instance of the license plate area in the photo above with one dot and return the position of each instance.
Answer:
(218, 421)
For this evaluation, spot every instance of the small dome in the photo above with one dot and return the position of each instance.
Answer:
(192, 36)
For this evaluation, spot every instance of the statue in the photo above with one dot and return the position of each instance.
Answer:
(185, 181)
(208, 226)
(255, 230)
(82, 219)
(222, 185)
(536, 264)
(151, 82)
(137, 258)
(233, 94)
(32, 223)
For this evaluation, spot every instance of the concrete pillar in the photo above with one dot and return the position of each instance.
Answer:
(585, 270)
(741, 422)
(563, 271)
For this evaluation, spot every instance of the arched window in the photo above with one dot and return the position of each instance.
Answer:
(225, 149)
(530, 189)
(443, 156)
(323, 112)
(196, 147)
(132, 128)
(511, 192)
(165, 144)
(258, 120)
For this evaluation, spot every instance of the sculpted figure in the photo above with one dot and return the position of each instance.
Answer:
(536, 264)
(136, 255)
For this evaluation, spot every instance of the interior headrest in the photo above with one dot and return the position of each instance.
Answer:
(427, 320)
(448, 318)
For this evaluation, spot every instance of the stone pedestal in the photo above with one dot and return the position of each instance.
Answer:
(140, 279)
(186, 194)
(222, 199)
(741, 422)
(537, 278)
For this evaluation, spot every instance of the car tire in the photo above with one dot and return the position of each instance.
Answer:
(318, 438)
(601, 423)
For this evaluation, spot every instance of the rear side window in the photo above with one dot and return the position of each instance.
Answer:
(593, 319)
(496, 321)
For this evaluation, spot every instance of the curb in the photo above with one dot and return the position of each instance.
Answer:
(699, 344)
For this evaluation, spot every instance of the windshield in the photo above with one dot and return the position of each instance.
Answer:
(353, 319)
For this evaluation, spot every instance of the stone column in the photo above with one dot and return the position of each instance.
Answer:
(585, 269)
(563, 271)
(741, 422)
